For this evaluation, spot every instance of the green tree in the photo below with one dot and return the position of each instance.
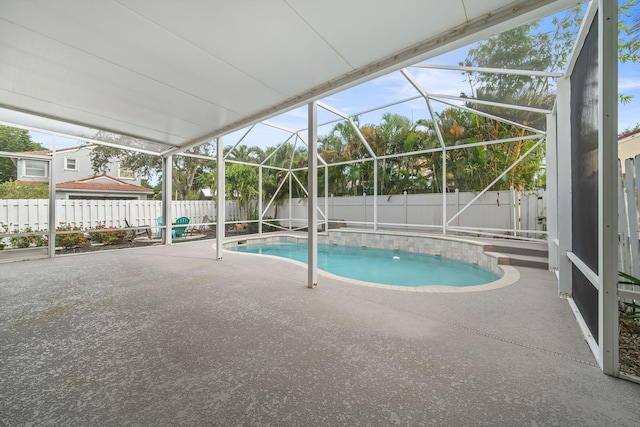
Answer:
(185, 168)
(331, 149)
(394, 135)
(14, 140)
(628, 37)
(629, 32)
(241, 183)
(473, 168)
(21, 190)
(524, 47)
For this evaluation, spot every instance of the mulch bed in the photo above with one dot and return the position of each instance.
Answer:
(135, 243)
(629, 347)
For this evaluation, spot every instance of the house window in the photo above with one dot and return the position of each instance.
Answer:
(126, 173)
(35, 168)
(70, 164)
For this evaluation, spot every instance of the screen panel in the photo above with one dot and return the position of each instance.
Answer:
(584, 174)
(586, 298)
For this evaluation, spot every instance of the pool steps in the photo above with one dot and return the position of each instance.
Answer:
(521, 254)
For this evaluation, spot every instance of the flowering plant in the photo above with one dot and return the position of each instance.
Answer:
(21, 242)
(69, 240)
(107, 235)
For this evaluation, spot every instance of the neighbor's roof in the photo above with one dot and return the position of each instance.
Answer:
(172, 74)
(60, 150)
(103, 183)
(629, 135)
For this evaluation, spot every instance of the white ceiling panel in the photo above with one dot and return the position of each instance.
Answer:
(475, 8)
(269, 32)
(178, 72)
(107, 87)
(360, 33)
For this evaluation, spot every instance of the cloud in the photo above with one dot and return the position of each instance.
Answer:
(446, 82)
(629, 83)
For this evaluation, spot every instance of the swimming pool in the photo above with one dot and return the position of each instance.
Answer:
(384, 266)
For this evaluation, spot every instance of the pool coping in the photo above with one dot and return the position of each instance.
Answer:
(510, 275)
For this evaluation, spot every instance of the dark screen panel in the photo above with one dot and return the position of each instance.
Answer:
(584, 151)
(586, 298)
(584, 175)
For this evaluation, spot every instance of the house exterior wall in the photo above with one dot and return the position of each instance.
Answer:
(628, 148)
(71, 165)
(81, 156)
(22, 170)
(97, 195)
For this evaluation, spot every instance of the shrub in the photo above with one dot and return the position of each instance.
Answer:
(27, 241)
(107, 235)
(252, 227)
(22, 190)
(629, 311)
(21, 242)
(70, 240)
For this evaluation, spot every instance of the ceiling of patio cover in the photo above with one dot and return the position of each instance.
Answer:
(173, 73)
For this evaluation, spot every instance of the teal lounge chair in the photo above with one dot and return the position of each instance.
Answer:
(159, 224)
(180, 227)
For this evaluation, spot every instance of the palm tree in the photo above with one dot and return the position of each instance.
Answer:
(242, 153)
(330, 147)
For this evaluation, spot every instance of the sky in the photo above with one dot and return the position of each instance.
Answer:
(392, 88)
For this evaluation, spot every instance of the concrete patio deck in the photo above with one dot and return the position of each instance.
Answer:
(170, 336)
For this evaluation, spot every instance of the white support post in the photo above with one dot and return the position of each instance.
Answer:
(312, 216)
(52, 202)
(326, 198)
(444, 190)
(375, 194)
(552, 191)
(515, 204)
(220, 198)
(607, 186)
(457, 207)
(290, 197)
(405, 211)
(364, 208)
(564, 224)
(167, 180)
(260, 213)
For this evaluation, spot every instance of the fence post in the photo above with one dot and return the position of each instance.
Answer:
(514, 206)
(364, 205)
(632, 213)
(457, 206)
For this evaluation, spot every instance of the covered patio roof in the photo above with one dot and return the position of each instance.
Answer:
(170, 76)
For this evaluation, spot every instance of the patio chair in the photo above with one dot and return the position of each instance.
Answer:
(180, 231)
(159, 224)
(145, 229)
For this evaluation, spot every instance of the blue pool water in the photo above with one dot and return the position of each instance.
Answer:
(383, 266)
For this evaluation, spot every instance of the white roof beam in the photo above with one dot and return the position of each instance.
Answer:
(491, 70)
(438, 97)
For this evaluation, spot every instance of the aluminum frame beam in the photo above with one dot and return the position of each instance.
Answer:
(220, 199)
(312, 214)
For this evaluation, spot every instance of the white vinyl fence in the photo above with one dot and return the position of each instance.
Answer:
(629, 225)
(510, 211)
(18, 214)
